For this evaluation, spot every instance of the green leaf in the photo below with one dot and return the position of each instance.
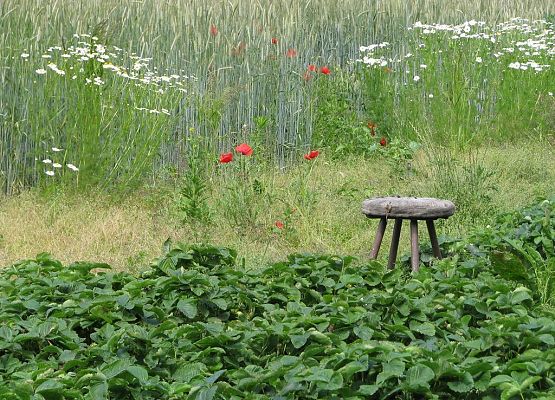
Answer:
(334, 383)
(463, 385)
(393, 368)
(547, 339)
(509, 390)
(214, 328)
(425, 328)
(99, 391)
(166, 246)
(179, 388)
(207, 393)
(115, 368)
(509, 267)
(215, 376)
(21, 391)
(6, 333)
(188, 371)
(368, 390)
(499, 379)
(66, 355)
(352, 368)
(529, 382)
(31, 304)
(319, 337)
(351, 279)
(220, 303)
(318, 374)
(299, 341)
(49, 385)
(188, 307)
(138, 372)
(418, 376)
(519, 295)
(85, 267)
(363, 332)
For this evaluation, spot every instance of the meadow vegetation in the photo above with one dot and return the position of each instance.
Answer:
(196, 325)
(130, 91)
(131, 101)
(252, 131)
(126, 231)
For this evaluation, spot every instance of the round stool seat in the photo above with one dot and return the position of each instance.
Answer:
(413, 209)
(407, 208)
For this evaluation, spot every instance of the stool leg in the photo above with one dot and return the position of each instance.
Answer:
(433, 238)
(414, 257)
(394, 243)
(378, 239)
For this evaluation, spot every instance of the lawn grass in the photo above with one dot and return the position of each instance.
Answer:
(127, 231)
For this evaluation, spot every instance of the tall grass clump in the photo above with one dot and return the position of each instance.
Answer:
(463, 84)
(232, 71)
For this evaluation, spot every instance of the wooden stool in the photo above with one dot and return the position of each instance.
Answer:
(412, 208)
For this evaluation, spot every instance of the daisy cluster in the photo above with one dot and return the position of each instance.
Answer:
(112, 61)
(53, 164)
(465, 30)
(518, 44)
(371, 61)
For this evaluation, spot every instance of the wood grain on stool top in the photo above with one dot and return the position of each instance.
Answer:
(407, 207)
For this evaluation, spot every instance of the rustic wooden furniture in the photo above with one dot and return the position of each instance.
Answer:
(413, 209)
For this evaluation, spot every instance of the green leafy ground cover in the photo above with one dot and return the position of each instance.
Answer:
(198, 326)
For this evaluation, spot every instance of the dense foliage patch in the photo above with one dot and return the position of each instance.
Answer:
(197, 326)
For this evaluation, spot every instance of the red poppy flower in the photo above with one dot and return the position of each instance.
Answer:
(226, 157)
(213, 30)
(372, 126)
(274, 40)
(291, 53)
(311, 67)
(325, 70)
(244, 149)
(313, 154)
(279, 225)
(383, 142)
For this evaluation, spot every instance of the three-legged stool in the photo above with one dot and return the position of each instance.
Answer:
(413, 209)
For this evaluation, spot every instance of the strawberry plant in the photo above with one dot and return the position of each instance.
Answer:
(198, 326)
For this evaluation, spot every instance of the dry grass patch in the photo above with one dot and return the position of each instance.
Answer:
(128, 233)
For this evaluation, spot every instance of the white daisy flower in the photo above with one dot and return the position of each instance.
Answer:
(47, 161)
(57, 149)
(72, 167)
(49, 173)
(56, 165)
(416, 78)
(41, 71)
